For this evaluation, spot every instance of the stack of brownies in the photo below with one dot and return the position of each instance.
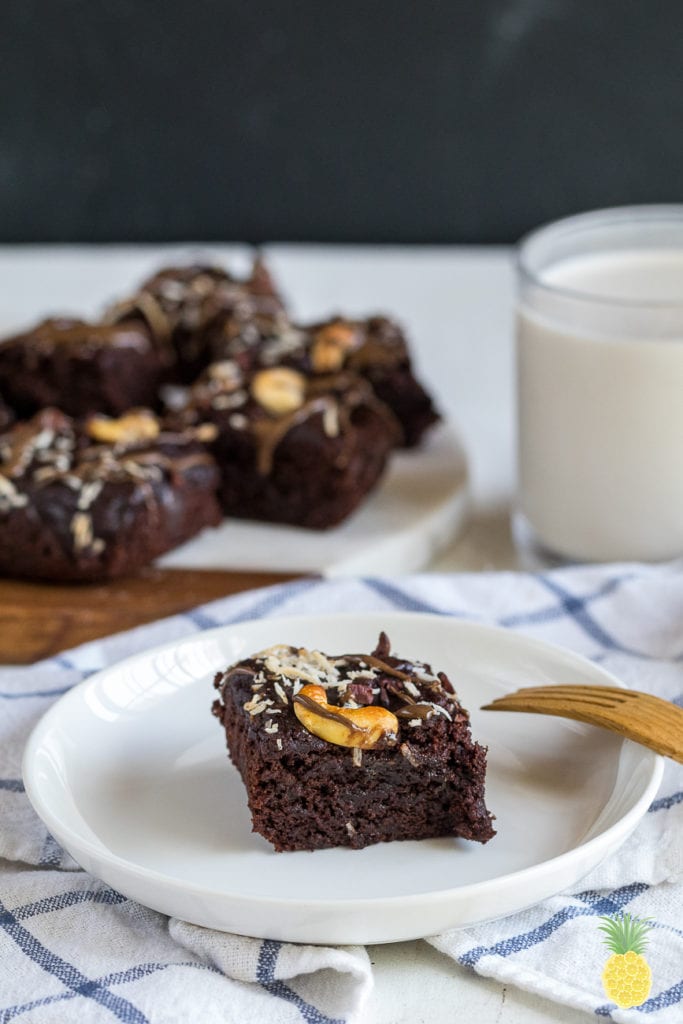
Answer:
(194, 399)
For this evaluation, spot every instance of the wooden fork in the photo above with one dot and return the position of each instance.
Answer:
(649, 720)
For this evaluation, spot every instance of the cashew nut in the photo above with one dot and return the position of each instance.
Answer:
(279, 390)
(132, 428)
(331, 345)
(365, 727)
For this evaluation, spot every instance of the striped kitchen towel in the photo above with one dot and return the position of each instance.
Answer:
(71, 948)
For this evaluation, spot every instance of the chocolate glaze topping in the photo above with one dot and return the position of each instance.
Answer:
(66, 332)
(53, 452)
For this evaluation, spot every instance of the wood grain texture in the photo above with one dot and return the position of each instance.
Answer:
(642, 717)
(38, 620)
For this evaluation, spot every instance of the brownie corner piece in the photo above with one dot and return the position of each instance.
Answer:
(80, 367)
(351, 750)
(95, 501)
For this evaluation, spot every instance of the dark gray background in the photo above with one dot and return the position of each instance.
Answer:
(390, 121)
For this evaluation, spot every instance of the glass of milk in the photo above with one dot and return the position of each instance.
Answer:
(600, 385)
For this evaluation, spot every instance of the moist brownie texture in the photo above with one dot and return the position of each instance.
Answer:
(375, 348)
(290, 448)
(351, 750)
(180, 304)
(80, 367)
(96, 501)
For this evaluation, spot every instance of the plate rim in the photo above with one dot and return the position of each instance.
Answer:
(102, 853)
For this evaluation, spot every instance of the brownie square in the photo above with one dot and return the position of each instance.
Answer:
(80, 367)
(374, 348)
(351, 750)
(292, 449)
(101, 500)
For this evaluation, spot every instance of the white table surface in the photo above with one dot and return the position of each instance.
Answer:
(456, 303)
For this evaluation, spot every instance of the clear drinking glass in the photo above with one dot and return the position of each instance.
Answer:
(600, 385)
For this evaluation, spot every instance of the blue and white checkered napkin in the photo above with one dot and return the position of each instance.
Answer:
(73, 949)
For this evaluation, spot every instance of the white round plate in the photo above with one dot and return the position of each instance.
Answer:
(417, 509)
(129, 772)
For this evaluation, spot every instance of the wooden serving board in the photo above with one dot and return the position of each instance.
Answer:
(38, 620)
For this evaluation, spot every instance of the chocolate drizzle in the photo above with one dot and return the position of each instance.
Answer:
(143, 306)
(269, 432)
(187, 299)
(65, 332)
(325, 712)
(266, 338)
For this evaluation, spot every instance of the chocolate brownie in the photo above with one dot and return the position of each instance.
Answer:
(351, 750)
(100, 500)
(180, 304)
(290, 448)
(375, 348)
(80, 367)
(6, 415)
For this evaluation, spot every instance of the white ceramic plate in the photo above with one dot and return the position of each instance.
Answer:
(129, 772)
(416, 511)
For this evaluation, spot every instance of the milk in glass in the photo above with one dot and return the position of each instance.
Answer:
(600, 401)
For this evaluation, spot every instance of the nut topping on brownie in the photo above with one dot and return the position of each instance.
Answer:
(274, 401)
(374, 348)
(368, 727)
(333, 343)
(179, 304)
(280, 390)
(85, 502)
(290, 447)
(372, 740)
(135, 427)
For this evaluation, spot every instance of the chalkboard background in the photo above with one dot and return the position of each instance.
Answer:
(396, 121)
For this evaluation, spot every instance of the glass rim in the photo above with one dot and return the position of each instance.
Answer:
(656, 213)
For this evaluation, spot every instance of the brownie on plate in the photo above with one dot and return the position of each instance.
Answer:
(375, 348)
(81, 367)
(179, 305)
(291, 448)
(100, 500)
(351, 750)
